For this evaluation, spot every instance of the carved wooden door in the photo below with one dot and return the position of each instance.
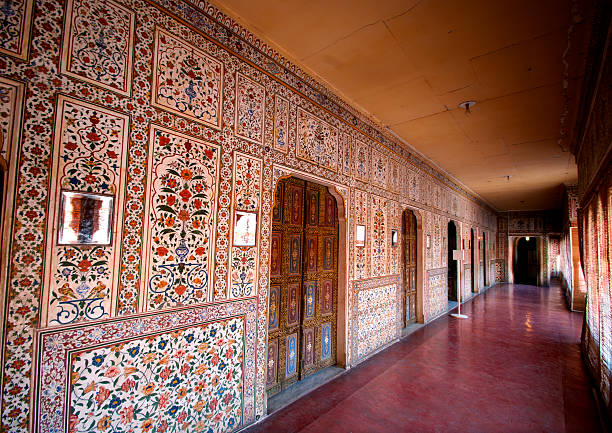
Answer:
(410, 268)
(303, 283)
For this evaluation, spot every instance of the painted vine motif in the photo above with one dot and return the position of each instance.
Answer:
(379, 237)
(317, 140)
(186, 79)
(81, 286)
(88, 157)
(244, 271)
(362, 161)
(247, 197)
(250, 108)
(181, 221)
(281, 124)
(345, 153)
(185, 380)
(15, 18)
(379, 169)
(98, 43)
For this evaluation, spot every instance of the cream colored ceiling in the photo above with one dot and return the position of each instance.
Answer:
(408, 64)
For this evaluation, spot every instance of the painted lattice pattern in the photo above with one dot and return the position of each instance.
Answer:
(317, 140)
(250, 103)
(181, 219)
(89, 154)
(186, 80)
(98, 43)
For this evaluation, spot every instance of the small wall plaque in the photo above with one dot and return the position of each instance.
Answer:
(85, 218)
(393, 238)
(360, 236)
(245, 229)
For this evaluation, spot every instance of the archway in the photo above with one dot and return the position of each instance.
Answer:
(452, 264)
(526, 261)
(306, 318)
(412, 299)
(473, 258)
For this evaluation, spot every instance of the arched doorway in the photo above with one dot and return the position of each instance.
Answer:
(410, 298)
(473, 258)
(484, 259)
(526, 261)
(303, 305)
(452, 264)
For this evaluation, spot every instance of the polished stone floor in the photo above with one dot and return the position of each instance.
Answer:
(514, 366)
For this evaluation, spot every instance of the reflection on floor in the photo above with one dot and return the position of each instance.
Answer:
(303, 387)
(513, 366)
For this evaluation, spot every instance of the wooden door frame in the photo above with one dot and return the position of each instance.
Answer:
(343, 259)
(420, 266)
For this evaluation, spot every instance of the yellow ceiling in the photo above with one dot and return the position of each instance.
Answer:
(409, 63)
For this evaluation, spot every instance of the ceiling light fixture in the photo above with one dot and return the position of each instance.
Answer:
(467, 105)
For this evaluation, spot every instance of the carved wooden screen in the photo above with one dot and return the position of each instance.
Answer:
(410, 265)
(303, 283)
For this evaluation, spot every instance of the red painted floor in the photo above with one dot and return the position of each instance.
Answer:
(513, 366)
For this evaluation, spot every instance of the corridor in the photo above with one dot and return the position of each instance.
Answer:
(513, 366)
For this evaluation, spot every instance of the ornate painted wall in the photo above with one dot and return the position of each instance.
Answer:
(183, 118)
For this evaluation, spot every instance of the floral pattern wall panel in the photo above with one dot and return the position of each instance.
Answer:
(361, 155)
(317, 140)
(186, 80)
(395, 177)
(375, 314)
(247, 201)
(182, 380)
(281, 124)
(250, 108)
(380, 169)
(180, 229)
(378, 233)
(345, 153)
(187, 370)
(98, 44)
(361, 219)
(395, 223)
(89, 157)
(16, 17)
